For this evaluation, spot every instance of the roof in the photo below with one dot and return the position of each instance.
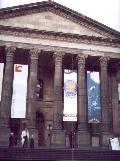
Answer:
(55, 7)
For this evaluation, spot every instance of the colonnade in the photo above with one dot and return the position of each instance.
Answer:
(58, 135)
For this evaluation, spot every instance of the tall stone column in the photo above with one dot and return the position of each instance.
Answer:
(83, 136)
(106, 111)
(115, 79)
(31, 98)
(118, 80)
(58, 136)
(118, 98)
(6, 97)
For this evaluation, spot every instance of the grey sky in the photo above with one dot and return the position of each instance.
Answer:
(104, 11)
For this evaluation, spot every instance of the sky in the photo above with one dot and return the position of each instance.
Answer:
(104, 11)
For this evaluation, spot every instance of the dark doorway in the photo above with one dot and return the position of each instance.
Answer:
(40, 127)
(15, 128)
(71, 129)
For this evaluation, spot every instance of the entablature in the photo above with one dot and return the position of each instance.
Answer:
(51, 49)
(58, 36)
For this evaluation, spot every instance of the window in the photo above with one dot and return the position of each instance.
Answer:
(39, 92)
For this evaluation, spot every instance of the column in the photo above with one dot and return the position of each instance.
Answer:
(115, 79)
(6, 96)
(32, 83)
(118, 80)
(83, 136)
(106, 111)
(58, 136)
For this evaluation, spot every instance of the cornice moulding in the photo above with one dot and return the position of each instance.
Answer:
(50, 35)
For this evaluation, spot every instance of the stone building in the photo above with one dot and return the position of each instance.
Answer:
(49, 38)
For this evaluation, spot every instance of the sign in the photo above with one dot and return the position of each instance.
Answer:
(18, 107)
(93, 92)
(115, 143)
(70, 95)
(1, 77)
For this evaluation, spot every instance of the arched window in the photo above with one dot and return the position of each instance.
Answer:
(39, 92)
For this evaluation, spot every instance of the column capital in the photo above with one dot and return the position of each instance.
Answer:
(118, 71)
(10, 50)
(81, 59)
(34, 53)
(58, 56)
(104, 60)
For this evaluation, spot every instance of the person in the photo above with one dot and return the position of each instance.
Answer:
(25, 138)
(115, 144)
(32, 142)
(72, 139)
(11, 140)
(15, 139)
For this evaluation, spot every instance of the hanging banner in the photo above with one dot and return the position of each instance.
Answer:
(70, 95)
(93, 91)
(18, 107)
(1, 77)
(119, 91)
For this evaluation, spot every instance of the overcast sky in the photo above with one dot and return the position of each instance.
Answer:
(104, 11)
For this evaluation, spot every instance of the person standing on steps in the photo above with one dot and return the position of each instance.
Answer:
(32, 142)
(11, 140)
(25, 138)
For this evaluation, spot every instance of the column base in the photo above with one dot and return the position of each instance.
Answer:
(105, 139)
(58, 138)
(4, 135)
(83, 139)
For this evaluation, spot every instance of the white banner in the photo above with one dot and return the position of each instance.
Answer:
(1, 77)
(18, 107)
(119, 91)
(70, 95)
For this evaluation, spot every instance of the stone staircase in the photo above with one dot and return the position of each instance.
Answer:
(57, 154)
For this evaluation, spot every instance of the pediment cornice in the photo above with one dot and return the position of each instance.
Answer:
(51, 35)
(59, 10)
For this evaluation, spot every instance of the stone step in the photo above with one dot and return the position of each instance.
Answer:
(57, 154)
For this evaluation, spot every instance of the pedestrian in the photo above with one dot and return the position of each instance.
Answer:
(25, 138)
(11, 140)
(32, 142)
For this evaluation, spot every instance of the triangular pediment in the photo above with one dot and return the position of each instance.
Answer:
(55, 18)
(50, 22)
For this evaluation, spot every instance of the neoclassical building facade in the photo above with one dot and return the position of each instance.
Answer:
(49, 38)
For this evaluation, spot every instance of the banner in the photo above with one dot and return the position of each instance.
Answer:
(1, 77)
(18, 107)
(119, 91)
(93, 91)
(70, 95)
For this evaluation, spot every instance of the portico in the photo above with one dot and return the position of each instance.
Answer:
(47, 53)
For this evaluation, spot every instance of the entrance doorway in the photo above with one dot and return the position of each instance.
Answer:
(15, 128)
(71, 128)
(40, 125)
